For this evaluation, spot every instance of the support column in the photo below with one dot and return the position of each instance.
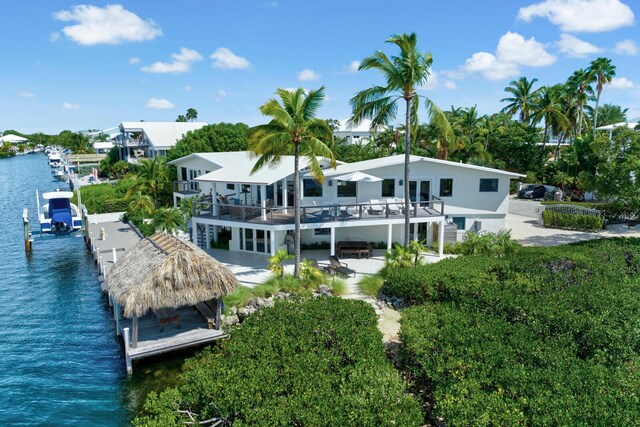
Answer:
(116, 316)
(389, 236)
(194, 232)
(134, 338)
(441, 239)
(215, 209)
(284, 195)
(263, 202)
(273, 241)
(333, 241)
(207, 236)
(415, 231)
(218, 318)
(127, 358)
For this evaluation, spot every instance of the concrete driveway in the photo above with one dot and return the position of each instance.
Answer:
(523, 207)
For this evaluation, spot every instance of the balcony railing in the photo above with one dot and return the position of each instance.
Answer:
(186, 187)
(331, 212)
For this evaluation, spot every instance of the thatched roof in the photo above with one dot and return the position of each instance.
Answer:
(163, 271)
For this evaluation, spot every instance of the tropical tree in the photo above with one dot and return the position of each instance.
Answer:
(522, 98)
(580, 83)
(276, 262)
(403, 75)
(603, 71)
(293, 129)
(141, 204)
(120, 168)
(610, 114)
(80, 144)
(548, 107)
(152, 177)
(168, 219)
(181, 118)
(192, 114)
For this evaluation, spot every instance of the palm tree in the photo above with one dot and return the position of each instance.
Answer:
(142, 204)
(603, 71)
(612, 113)
(152, 176)
(522, 98)
(192, 114)
(276, 262)
(80, 144)
(181, 118)
(168, 219)
(549, 108)
(293, 129)
(404, 75)
(580, 82)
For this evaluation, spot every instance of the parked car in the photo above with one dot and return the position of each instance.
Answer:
(537, 191)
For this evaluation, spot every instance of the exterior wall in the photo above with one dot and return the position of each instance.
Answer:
(359, 138)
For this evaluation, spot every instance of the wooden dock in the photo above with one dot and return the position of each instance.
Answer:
(108, 238)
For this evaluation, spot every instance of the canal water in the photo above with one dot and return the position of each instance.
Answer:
(60, 362)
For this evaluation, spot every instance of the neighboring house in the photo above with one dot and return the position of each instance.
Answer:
(256, 209)
(360, 134)
(12, 139)
(102, 147)
(151, 139)
(610, 128)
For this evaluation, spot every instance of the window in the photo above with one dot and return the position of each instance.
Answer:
(321, 231)
(489, 185)
(231, 186)
(312, 188)
(460, 221)
(346, 189)
(446, 187)
(388, 188)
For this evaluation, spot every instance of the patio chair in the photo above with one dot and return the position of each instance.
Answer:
(321, 267)
(340, 267)
(374, 207)
(394, 208)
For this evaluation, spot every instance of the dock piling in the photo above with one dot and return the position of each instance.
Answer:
(125, 333)
(27, 232)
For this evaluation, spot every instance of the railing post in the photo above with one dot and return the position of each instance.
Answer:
(271, 214)
(386, 210)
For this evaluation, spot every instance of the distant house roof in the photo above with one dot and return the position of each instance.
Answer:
(630, 125)
(106, 145)
(364, 126)
(14, 139)
(162, 135)
(399, 159)
(236, 167)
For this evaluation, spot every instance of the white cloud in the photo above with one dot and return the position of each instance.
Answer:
(450, 84)
(308, 75)
(512, 51)
(159, 103)
(181, 62)
(112, 24)
(581, 15)
(514, 48)
(353, 67)
(54, 37)
(26, 94)
(187, 88)
(227, 60)
(134, 60)
(576, 48)
(220, 95)
(621, 83)
(490, 67)
(626, 47)
(69, 106)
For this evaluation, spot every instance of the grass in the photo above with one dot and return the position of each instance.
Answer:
(371, 285)
(337, 284)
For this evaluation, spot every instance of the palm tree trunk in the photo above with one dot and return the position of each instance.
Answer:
(595, 117)
(580, 119)
(407, 161)
(544, 138)
(296, 207)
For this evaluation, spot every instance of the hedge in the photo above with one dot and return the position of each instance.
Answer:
(553, 219)
(546, 336)
(319, 362)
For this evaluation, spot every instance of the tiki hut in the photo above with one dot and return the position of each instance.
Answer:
(164, 272)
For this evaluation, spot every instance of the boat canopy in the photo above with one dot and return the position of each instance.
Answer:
(57, 195)
(60, 211)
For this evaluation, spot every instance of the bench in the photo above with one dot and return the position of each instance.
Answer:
(208, 314)
(167, 315)
(359, 248)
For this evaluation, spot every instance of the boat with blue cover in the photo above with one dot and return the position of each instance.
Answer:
(59, 216)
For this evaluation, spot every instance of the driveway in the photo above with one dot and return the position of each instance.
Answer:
(523, 207)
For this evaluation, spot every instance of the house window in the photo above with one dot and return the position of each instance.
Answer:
(231, 186)
(346, 189)
(446, 187)
(460, 221)
(312, 188)
(321, 231)
(388, 187)
(488, 185)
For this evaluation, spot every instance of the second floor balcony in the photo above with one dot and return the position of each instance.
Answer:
(186, 187)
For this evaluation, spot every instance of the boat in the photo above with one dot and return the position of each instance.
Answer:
(59, 216)
(55, 159)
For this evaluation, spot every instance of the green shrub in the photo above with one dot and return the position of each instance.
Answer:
(485, 243)
(326, 368)
(338, 284)
(116, 205)
(371, 285)
(545, 336)
(572, 221)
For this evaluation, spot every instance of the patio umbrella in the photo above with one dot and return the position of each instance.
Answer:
(357, 177)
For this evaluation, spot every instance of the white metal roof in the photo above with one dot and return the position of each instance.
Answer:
(236, 167)
(399, 159)
(162, 135)
(100, 145)
(364, 126)
(12, 138)
(630, 125)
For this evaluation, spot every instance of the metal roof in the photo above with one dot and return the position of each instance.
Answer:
(399, 159)
(363, 126)
(162, 135)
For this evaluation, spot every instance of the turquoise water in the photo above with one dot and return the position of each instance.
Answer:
(60, 363)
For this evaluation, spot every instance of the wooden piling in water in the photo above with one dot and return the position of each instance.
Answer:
(27, 232)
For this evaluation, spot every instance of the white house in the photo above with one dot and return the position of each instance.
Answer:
(12, 139)
(255, 210)
(151, 139)
(360, 134)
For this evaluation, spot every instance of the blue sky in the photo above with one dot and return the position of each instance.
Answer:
(93, 65)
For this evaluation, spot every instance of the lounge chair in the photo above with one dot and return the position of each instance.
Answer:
(340, 267)
(321, 267)
(374, 207)
(394, 208)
